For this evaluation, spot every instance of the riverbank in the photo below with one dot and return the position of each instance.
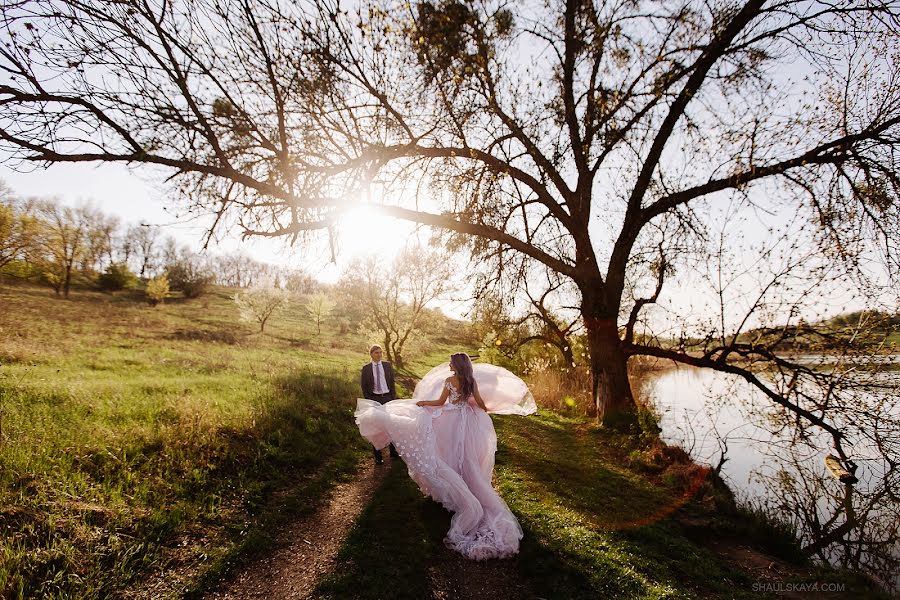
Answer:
(605, 516)
(782, 477)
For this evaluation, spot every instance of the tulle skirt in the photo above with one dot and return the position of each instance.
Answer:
(449, 452)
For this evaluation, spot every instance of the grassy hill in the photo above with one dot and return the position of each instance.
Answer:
(136, 438)
(865, 330)
(142, 444)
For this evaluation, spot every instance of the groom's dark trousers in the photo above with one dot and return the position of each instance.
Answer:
(367, 382)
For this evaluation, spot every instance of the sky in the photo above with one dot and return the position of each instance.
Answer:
(134, 196)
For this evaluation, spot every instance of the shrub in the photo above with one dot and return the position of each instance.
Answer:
(20, 269)
(189, 278)
(157, 290)
(116, 277)
(565, 391)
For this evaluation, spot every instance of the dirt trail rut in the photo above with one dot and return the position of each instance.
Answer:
(306, 549)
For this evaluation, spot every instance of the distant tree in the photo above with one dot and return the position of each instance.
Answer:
(170, 253)
(258, 305)
(18, 228)
(126, 247)
(299, 282)
(98, 241)
(393, 299)
(240, 270)
(157, 290)
(109, 229)
(143, 241)
(62, 242)
(117, 276)
(319, 306)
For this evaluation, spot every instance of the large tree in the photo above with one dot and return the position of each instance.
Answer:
(568, 133)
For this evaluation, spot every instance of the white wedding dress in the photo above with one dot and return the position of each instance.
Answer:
(449, 452)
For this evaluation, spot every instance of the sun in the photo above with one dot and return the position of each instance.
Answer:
(364, 231)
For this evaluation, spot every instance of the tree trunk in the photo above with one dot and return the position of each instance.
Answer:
(613, 401)
(387, 349)
(568, 357)
(67, 282)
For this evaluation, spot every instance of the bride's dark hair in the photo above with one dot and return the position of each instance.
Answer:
(463, 365)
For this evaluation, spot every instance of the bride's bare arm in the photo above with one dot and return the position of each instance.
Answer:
(478, 399)
(437, 402)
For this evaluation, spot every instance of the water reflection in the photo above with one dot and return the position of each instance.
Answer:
(781, 468)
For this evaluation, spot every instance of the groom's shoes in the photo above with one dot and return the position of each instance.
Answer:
(394, 453)
(379, 460)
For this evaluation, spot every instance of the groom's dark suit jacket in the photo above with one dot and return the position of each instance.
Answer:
(368, 381)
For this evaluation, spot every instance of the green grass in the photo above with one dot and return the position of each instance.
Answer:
(612, 528)
(140, 441)
(151, 449)
(596, 526)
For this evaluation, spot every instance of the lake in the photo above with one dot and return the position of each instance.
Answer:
(699, 407)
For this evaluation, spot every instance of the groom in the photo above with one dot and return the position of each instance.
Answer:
(378, 384)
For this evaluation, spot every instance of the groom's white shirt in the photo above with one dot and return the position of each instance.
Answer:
(380, 386)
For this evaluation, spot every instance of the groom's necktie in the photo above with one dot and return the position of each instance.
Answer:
(379, 377)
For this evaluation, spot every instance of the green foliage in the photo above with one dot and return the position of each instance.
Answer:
(757, 525)
(224, 110)
(188, 277)
(648, 420)
(117, 276)
(527, 342)
(157, 289)
(879, 320)
(860, 330)
(495, 350)
(18, 229)
(51, 278)
(20, 269)
(447, 33)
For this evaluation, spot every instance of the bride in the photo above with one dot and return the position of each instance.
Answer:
(448, 445)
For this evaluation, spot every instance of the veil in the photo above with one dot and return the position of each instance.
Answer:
(503, 392)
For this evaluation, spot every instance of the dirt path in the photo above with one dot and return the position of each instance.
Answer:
(306, 549)
(456, 578)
